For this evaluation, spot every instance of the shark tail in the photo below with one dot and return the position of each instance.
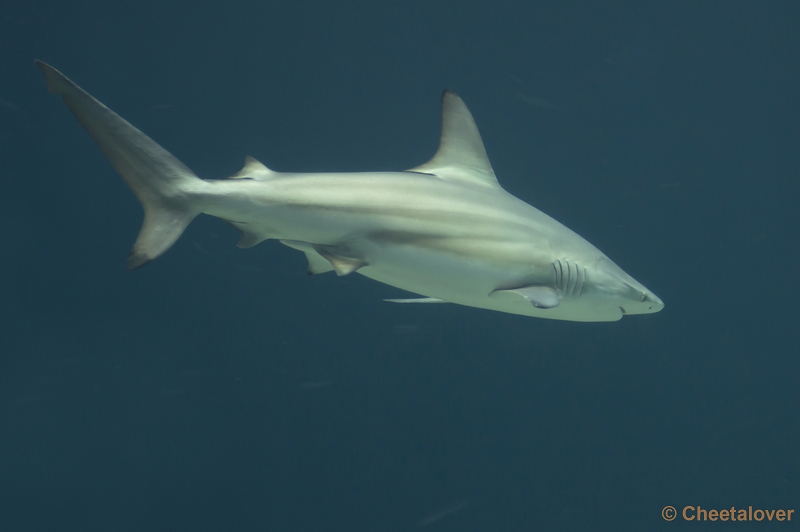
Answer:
(166, 188)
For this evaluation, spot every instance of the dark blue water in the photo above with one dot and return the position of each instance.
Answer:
(223, 389)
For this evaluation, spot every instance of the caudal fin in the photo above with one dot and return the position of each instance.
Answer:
(165, 187)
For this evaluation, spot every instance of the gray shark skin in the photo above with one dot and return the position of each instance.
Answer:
(445, 230)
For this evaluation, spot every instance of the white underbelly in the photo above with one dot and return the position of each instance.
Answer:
(433, 273)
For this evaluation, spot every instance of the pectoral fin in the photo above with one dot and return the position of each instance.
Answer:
(416, 300)
(538, 296)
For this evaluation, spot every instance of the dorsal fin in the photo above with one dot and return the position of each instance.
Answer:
(461, 155)
(253, 170)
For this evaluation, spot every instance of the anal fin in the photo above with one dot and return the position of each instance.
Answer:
(249, 238)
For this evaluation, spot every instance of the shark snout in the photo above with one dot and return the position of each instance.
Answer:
(655, 303)
(647, 303)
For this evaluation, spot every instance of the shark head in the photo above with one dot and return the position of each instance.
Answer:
(594, 289)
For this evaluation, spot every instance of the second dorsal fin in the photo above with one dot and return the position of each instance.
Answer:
(253, 170)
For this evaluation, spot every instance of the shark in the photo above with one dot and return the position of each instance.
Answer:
(445, 230)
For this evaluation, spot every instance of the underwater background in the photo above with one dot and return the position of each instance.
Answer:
(223, 389)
